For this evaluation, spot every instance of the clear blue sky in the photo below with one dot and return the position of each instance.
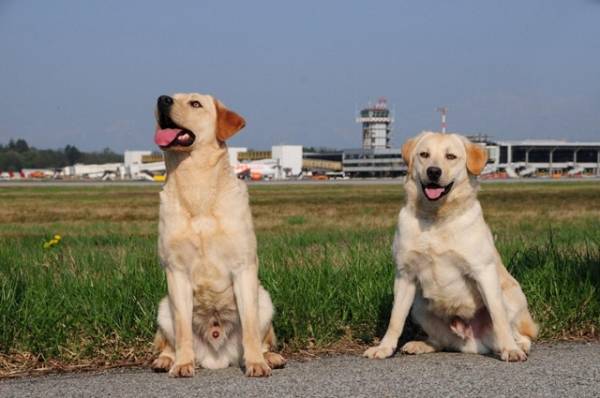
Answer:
(88, 72)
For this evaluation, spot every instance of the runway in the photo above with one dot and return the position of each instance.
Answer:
(355, 181)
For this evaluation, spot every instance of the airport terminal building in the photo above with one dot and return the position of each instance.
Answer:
(543, 157)
(375, 162)
(510, 159)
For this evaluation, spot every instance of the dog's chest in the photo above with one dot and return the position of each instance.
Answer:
(205, 225)
(443, 281)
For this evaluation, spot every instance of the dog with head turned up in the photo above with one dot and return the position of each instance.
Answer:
(216, 313)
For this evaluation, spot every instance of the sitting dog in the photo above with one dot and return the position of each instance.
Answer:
(448, 268)
(216, 312)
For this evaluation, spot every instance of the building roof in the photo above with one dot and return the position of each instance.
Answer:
(547, 143)
(373, 150)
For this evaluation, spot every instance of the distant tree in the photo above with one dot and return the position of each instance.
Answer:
(48, 158)
(21, 146)
(105, 156)
(17, 154)
(73, 154)
(11, 161)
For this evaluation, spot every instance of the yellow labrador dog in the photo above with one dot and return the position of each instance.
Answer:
(448, 268)
(216, 312)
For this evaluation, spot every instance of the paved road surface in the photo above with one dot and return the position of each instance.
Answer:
(561, 370)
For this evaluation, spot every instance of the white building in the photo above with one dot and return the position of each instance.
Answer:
(102, 171)
(289, 158)
(136, 169)
(281, 162)
(233, 154)
(135, 157)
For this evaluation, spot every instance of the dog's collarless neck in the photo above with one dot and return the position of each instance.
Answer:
(195, 180)
(442, 211)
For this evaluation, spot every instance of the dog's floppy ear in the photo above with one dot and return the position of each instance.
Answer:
(228, 122)
(407, 150)
(476, 158)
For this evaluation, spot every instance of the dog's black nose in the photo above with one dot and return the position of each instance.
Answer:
(434, 173)
(165, 100)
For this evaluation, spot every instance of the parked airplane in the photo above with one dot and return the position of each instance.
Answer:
(265, 169)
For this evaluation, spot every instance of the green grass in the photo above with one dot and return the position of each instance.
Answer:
(324, 252)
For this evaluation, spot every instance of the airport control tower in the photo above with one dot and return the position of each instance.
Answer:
(376, 125)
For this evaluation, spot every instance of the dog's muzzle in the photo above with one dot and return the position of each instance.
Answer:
(168, 133)
(434, 191)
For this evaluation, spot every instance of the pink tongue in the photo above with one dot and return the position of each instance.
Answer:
(434, 193)
(164, 137)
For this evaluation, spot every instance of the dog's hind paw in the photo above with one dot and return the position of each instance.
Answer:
(416, 348)
(183, 370)
(274, 360)
(162, 364)
(524, 344)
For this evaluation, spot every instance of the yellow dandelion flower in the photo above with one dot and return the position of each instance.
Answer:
(52, 242)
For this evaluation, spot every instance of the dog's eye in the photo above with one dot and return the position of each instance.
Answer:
(424, 155)
(450, 156)
(195, 104)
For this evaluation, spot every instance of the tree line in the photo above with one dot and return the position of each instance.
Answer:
(17, 155)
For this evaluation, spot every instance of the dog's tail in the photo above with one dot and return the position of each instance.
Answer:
(526, 325)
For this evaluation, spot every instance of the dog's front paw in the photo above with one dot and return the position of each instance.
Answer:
(162, 364)
(182, 370)
(379, 352)
(274, 360)
(257, 369)
(514, 355)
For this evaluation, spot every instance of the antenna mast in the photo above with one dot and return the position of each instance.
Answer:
(443, 110)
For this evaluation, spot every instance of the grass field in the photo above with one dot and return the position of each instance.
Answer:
(325, 258)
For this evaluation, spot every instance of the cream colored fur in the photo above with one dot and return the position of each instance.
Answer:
(207, 247)
(448, 269)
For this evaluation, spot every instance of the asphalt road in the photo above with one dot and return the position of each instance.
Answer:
(553, 370)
